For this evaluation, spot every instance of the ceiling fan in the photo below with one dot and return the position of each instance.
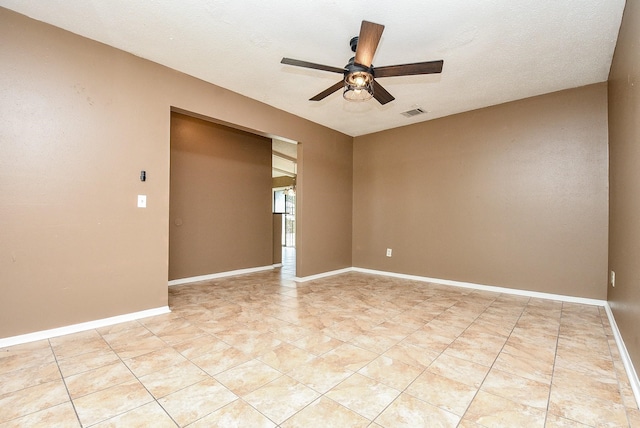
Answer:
(359, 82)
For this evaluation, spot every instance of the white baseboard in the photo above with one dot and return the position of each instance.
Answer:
(218, 275)
(526, 293)
(76, 328)
(323, 275)
(624, 355)
(277, 265)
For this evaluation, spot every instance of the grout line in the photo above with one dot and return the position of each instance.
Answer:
(64, 381)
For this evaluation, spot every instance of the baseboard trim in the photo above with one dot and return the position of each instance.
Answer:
(76, 328)
(218, 275)
(526, 293)
(624, 355)
(322, 275)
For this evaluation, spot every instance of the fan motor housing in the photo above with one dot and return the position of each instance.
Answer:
(354, 67)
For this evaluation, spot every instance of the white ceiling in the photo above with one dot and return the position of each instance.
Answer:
(494, 51)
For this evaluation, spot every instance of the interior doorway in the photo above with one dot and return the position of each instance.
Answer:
(284, 174)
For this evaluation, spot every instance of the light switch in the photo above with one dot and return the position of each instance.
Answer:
(142, 201)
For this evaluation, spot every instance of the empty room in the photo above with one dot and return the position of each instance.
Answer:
(319, 213)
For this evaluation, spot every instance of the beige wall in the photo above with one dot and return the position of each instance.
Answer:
(79, 121)
(513, 196)
(624, 147)
(220, 199)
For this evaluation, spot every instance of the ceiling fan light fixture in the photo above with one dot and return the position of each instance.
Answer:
(358, 86)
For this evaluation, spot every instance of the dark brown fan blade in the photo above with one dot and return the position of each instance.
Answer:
(430, 67)
(322, 95)
(306, 64)
(381, 94)
(368, 40)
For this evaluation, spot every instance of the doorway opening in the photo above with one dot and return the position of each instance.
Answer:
(284, 173)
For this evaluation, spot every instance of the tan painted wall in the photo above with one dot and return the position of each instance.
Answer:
(624, 147)
(220, 199)
(79, 121)
(513, 196)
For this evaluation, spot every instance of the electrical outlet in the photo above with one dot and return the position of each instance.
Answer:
(613, 279)
(142, 201)
(389, 251)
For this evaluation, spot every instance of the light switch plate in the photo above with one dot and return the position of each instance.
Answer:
(142, 201)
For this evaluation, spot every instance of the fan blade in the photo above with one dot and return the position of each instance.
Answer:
(322, 95)
(429, 67)
(368, 40)
(381, 94)
(306, 64)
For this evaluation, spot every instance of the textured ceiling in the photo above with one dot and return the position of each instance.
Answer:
(494, 51)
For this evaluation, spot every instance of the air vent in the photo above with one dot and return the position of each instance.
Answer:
(414, 112)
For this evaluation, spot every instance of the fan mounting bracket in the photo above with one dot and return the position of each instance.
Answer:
(354, 43)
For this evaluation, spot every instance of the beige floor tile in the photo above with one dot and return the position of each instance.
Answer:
(374, 342)
(433, 338)
(326, 413)
(258, 345)
(28, 376)
(345, 330)
(151, 414)
(541, 339)
(281, 399)
(196, 401)
(200, 345)
(460, 370)
(516, 388)
(490, 410)
(164, 323)
(584, 384)
(634, 417)
(290, 332)
(154, 361)
(320, 374)
(599, 368)
(442, 392)
(247, 377)
(110, 402)
(173, 378)
(98, 379)
(187, 333)
(350, 357)
(235, 414)
(286, 357)
(318, 343)
(412, 355)
(25, 355)
(491, 326)
(114, 330)
(78, 343)
(537, 370)
(33, 399)
(585, 409)
(137, 347)
(87, 361)
(363, 395)
(410, 412)
(393, 373)
(554, 421)
(531, 347)
(465, 423)
(218, 362)
(479, 348)
(61, 415)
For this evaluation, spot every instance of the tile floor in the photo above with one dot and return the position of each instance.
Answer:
(352, 350)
